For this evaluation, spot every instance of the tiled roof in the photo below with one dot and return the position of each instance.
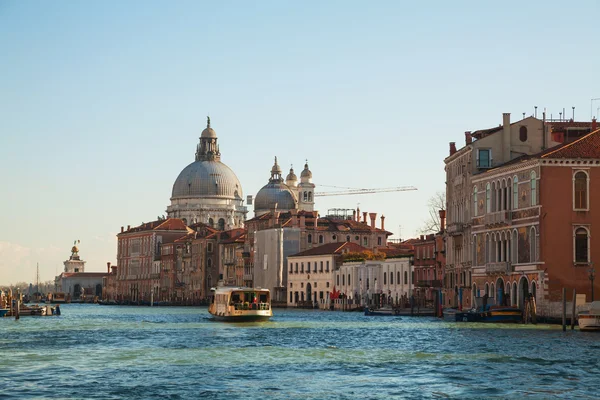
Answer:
(331, 249)
(585, 147)
(391, 252)
(169, 224)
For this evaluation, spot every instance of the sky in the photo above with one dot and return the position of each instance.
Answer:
(102, 103)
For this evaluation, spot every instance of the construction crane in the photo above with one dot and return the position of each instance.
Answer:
(353, 191)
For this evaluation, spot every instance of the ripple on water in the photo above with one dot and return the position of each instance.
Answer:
(142, 352)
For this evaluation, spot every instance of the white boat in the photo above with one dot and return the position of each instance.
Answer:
(590, 320)
(241, 304)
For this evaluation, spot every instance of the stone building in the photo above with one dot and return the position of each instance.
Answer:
(533, 224)
(207, 190)
(75, 283)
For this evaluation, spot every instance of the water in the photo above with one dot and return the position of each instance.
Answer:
(110, 352)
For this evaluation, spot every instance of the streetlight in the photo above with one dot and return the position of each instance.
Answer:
(592, 275)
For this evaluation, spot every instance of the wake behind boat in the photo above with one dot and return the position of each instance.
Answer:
(241, 304)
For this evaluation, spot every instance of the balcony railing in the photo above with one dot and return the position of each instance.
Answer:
(455, 228)
(499, 217)
(155, 276)
(230, 261)
(497, 268)
(248, 277)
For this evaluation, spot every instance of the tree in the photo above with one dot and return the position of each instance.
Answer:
(436, 203)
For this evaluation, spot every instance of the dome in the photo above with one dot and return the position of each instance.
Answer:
(207, 178)
(274, 193)
(209, 133)
(291, 176)
(306, 172)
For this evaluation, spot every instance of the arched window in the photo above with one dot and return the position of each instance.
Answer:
(347, 238)
(309, 196)
(581, 245)
(406, 277)
(515, 244)
(523, 133)
(343, 280)
(309, 238)
(398, 278)
(305, 196)
(385, 278)
(475, 260)
(365, 241)
(492, 290)
(475, 201)
(515, 192)
(211, 222)
(391, 278)
(221, 224)
(533, 244)
(488, 198)
(533, 189)
(321, 239)
(348, 279)
(209, 263)
(487, 289)
(581, 191)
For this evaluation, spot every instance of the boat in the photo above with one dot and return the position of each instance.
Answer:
(240, 304)
(590, 320)
(449, 314)
(493, 314)
(3, 312)
(58, 298)
(381, 312)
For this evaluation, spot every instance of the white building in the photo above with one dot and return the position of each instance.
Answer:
(207, 190)
(75, 282)
(373, 281)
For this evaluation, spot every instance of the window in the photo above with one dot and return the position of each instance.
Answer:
(296, 268)
(581, 245)
(523, 134)
(321, 267)
(309, 196)
(291, 267)
(309, 237)
(327, 284)
(533, 244)
(391, 278)
(365, 242)
(343, 280)
(406, 277)
(379, 241)
(209, 263)
(211, 222)
(356, 238)
(301, 268)
(327, 267)
(305, 196)
(308, 267)
(475, 201)
(488, 198)
(315, 266)
(484, 158)
(515, 192)
(348, 279)
(321, 239)
(533, 189)
(334, 237)
(347, 238)
(291, 285)
(221, 224)
(209, 247)
(385, 278)
(338, 280)
(581, 191)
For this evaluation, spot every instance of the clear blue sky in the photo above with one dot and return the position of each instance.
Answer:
(102, 103)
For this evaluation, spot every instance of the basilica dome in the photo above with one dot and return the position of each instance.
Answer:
(275, 194)
(207, 178)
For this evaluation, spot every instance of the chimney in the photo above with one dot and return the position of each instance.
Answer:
(442, 220)
(122, 229)
(128, 227)
(357, 214)
(364, 220)
(506, 137)
(594, 124)
(353, 215)
(108, 267)
(422, 237)
(468, 138)
(452, 148)
(316, 219)
(373, 216)
(382, 222)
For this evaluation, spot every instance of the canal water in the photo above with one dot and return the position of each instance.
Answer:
(110, 352)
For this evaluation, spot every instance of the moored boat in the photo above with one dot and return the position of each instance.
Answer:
(241, 304)
(590, 320)
(494, 314)
(381, 312)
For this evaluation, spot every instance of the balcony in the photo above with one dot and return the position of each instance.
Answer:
(248, 277)
(429, 284)
(497, 218)
(155, 276)
(497, 268)
(230, 261)
(455, 228)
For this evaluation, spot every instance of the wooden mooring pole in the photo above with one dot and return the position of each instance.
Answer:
(564, 309)
(573, 310)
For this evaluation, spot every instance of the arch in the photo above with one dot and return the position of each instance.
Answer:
(523, 133)
(580, 190)
(509, 203)
(492, 290)
(209, 263)
(487, 248)
(494, 197)
(348, 279)
(507, 294)
(321, 239)
(515, 192)
(385, 278)
(406, 277)
(514, 294)
(581, 245)
(221, 224)
(533, 244)
(487, 289)
(500, 298)
(533, 189)
(211, 222)
(305, 196)
(533, 290)
(296, 297)
(309, 196)
(523, 291)
(98, 290)
(77, 291)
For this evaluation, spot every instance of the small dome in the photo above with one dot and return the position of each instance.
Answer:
(291, 176)
(209, 133)
(274, 193)
(275, 170)
(306, 172)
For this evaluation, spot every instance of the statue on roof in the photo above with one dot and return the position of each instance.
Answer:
(207, 121)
